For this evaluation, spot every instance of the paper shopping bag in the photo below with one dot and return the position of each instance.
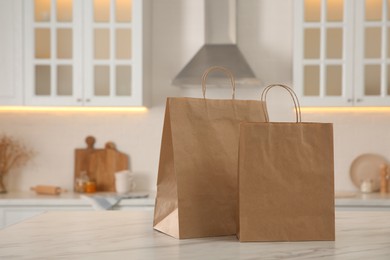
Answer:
(286, 189)
(197, 176)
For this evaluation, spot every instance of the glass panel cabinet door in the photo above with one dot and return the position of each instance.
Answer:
(53, 60)
(372, 53)
(82, 52)
(110, 57)
(342, 50)
(322, 34)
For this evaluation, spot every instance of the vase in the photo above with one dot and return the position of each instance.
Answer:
(2, 186)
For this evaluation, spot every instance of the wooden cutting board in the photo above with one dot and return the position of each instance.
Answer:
(100, 164)
(105, 163)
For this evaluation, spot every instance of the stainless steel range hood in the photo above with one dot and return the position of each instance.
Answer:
(220, 49)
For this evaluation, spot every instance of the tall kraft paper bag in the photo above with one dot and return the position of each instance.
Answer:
(286, 187)
(197, 177)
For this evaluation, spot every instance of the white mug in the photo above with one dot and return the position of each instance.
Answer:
(124, 181)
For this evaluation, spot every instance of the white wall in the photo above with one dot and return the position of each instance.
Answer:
(265, 38)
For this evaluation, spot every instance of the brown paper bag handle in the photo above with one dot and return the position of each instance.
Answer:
(227, 72)
(294, 97)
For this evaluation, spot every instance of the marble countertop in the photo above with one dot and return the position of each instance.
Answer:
(364, 200)
(129, 235)
(343, 199)
(28, 198)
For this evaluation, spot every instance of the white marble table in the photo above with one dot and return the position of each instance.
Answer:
(129, 235)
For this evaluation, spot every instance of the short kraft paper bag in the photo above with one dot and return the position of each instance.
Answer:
(286, 187)
(197, 176)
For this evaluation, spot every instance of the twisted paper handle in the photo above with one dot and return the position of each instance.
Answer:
(294, 97)
(227, 72)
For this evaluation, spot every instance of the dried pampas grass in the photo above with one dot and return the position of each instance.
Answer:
(13, 154)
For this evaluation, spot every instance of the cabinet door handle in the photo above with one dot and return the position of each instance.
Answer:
(359, 100)
(87, 100)
(349, 100)
(79, 100)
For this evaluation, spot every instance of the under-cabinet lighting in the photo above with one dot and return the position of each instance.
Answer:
(344, 109)
(72, 109)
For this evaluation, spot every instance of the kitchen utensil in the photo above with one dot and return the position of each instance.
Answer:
(48, 190)
(367, 167)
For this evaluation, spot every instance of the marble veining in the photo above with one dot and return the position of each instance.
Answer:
(129, 235)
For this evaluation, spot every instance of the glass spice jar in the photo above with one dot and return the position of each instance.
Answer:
(367, 186)
(81, 181)
(90, 187)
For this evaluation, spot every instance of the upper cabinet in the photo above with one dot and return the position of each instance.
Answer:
(91, 53)
(341, 52)
(11, 87)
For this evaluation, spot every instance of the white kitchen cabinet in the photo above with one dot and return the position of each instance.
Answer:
(11, 88)
(342, 52)
(76, 53)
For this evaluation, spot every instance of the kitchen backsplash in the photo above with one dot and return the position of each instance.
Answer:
(55, 135)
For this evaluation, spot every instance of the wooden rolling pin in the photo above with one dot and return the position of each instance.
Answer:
(48, 190)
